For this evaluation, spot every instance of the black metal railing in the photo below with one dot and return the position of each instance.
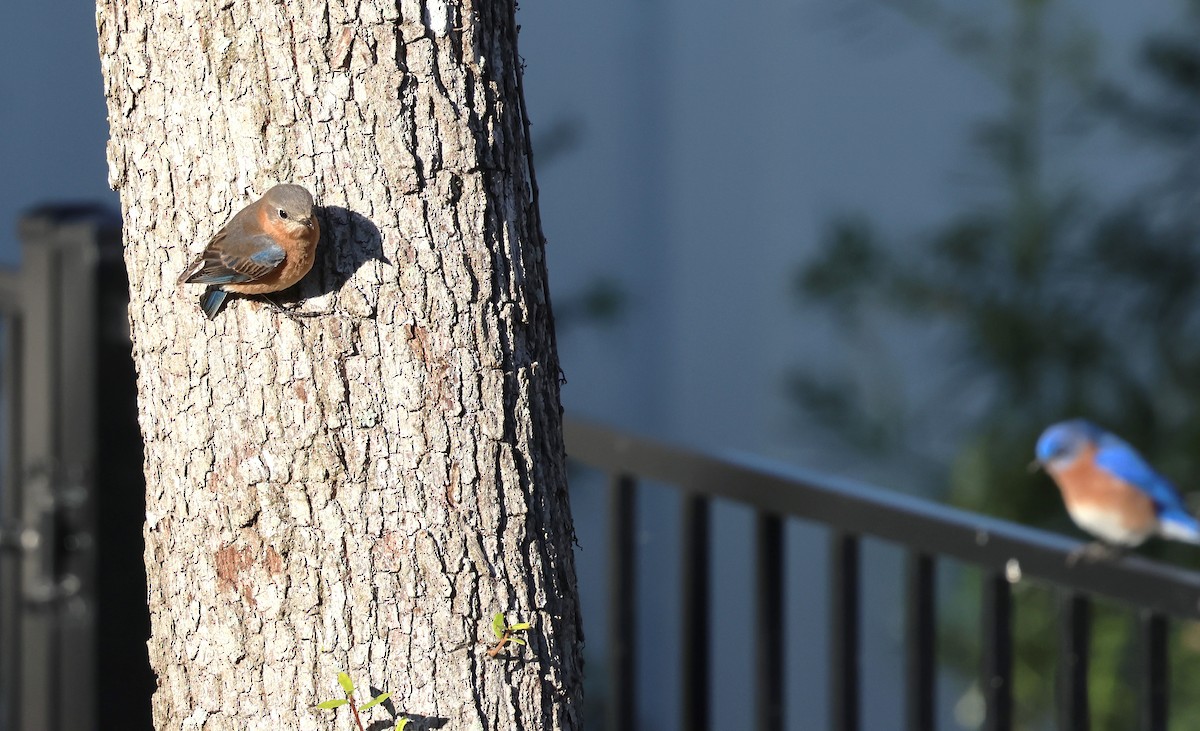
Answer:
(1005, 552)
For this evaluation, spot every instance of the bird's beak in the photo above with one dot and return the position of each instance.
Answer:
(308, 222)
(1033, 466)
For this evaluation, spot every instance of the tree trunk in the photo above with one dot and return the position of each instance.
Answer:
(364, 489)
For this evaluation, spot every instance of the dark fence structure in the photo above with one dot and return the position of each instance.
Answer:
(73, 613)
(1004, 551)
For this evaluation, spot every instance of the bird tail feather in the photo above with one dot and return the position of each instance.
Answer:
(1179, 527)
(211, 301)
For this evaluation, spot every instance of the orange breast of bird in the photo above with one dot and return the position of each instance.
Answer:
(1104, 504)
(299, 244)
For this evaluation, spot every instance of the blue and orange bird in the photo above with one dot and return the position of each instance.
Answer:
(266, 247)
(1109, 490)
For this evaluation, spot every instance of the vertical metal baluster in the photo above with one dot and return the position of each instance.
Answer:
(920, 642)
(769, 626)
(996, 676)
(1153, 671)
(622, 630)
(844, 632)
(696, 620)
(1075, 637)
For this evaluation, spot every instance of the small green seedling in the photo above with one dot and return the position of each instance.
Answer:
(504, 633)
(348, 686)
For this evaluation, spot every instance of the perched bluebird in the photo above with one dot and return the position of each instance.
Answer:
(1109, 490)
(266, 247)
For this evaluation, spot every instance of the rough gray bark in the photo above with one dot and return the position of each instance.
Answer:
(361, 490)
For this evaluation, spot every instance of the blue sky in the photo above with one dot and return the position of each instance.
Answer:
(53, 124)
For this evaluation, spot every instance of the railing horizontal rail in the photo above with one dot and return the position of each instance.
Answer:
(920, 525)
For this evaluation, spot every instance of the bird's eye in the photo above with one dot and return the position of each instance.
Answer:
(282, 213)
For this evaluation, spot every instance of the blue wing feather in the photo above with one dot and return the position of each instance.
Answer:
(1116, 456)
(226, 277)
(271, 255)
(232, 260)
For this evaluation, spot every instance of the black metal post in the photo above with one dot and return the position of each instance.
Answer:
(1154, 674)
(696, 629)
(996, 676)
(1076, 634)
(920, 641)
(768, 631)
(844, 632)
(622, 629)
